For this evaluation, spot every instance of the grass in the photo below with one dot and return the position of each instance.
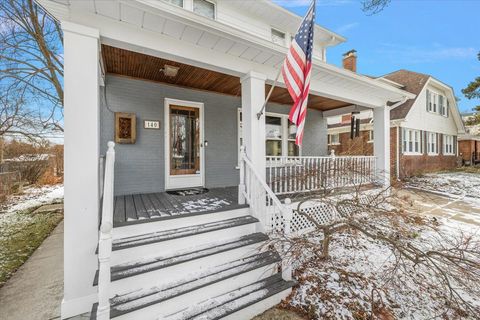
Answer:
(21, 233)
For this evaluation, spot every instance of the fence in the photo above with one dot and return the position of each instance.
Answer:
(8, 180)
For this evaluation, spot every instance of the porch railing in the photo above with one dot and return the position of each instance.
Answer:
(105, 236)
(302, 174)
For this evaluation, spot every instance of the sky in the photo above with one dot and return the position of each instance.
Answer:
(437, 37)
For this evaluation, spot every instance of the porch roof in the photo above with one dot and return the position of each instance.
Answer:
(162, 30)
(141, 66)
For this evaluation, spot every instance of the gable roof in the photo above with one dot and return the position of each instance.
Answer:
(412, 82)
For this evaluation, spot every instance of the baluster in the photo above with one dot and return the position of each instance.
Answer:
(105, 237)
(241, 186)
(287, 221)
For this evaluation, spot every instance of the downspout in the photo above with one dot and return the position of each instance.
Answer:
(397, 151)
(397, 160)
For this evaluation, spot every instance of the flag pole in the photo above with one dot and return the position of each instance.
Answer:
(260, 113)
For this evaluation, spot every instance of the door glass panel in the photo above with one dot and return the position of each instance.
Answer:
(274, 148)
(184, 140)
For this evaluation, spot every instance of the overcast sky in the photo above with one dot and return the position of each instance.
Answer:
(440, 38)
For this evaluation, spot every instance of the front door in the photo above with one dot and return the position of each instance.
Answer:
(183, 144)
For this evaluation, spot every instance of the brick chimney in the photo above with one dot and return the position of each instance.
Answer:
(350, 60)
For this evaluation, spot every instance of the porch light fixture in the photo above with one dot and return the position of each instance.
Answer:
(170, 71)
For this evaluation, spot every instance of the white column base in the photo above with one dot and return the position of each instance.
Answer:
(74, 307)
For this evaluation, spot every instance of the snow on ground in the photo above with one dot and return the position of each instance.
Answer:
(30, 198)
(461, 184)
(342, 287)
(33, 197)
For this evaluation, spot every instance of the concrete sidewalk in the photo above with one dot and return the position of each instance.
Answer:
(35, 291)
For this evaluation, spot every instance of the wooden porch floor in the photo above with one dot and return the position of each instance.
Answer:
(139, 208)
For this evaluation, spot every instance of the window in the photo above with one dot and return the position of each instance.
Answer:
(449, 145)
(432, 143)
(437, 103)
(178, 3)
(334, 139)
(273, 127)
(411, 141)
(278, 37)
(204, 8)
(279, 133)
(293, 149)
(370, 136)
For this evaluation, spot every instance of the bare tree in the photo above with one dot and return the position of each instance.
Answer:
(450, 265)
(31, 58)
(371, 7)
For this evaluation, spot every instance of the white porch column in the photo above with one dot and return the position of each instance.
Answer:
(253, 97)
(81, 81)
(381, 143)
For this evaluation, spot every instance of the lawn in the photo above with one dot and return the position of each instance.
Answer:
(22, 231)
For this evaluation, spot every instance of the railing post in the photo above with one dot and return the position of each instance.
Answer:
(287, 221)
(105, 238)
(241, 186)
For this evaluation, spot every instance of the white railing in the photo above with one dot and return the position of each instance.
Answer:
(105, 236)
(302, 174)
(264, 204)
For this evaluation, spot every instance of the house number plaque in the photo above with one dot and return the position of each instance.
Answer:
(151, 124)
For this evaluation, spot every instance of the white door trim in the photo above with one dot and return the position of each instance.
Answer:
(187, 180)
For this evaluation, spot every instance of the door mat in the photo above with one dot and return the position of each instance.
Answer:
(188, 192)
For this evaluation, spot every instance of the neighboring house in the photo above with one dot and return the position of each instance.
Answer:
(469, 148)
(178, 84)
(472, 129)
(424, 131)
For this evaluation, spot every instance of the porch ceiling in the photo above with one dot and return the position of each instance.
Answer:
(141, 66)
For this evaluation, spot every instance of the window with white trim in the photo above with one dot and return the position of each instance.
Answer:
(204, 8)
(279, 133)
(334, 139)
(448, 144)
(178, 3)
(411, 141)
(370, 136)
(432, 143)
(278, 37)
(437, 103)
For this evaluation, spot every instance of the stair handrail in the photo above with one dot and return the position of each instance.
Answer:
(244, 195)
(105, 236)
(258, 205)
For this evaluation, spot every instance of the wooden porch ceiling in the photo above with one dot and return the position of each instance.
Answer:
(137, 65)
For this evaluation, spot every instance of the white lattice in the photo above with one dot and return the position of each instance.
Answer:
(322, 213)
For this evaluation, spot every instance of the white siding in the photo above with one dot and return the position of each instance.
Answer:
(419, 118)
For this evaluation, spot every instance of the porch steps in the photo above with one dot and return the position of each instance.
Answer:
(170, 241)
(218, 267)
(144, 226)
(238, 300)
(152, 271)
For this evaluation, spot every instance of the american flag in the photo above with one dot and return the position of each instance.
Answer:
(297, 69)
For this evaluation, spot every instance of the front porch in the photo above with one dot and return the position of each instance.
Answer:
(146, 207)
(212, 104)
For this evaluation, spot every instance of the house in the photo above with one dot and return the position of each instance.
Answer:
(175, 213)
(423, 131)
(470, 127)
(469, 148)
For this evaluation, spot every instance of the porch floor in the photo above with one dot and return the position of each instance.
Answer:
(140, 208)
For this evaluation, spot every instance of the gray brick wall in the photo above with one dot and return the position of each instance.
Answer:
(139, 167)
